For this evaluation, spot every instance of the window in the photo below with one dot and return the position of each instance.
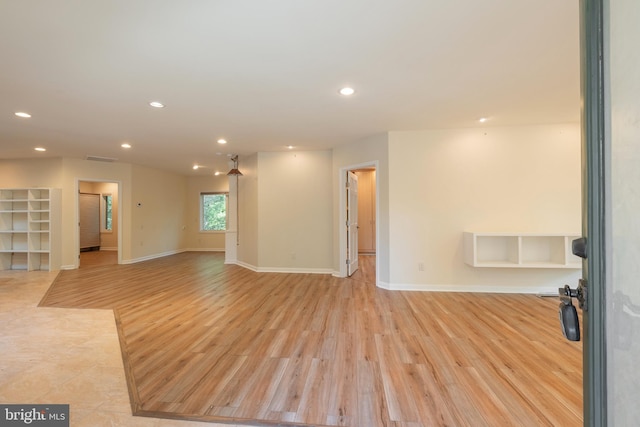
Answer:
(213, 211)
(106, 208)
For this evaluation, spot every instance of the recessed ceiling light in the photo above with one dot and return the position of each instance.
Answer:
(482, 119)
(40, 149)
(217, 173)
(346, 91)
(125, 145)
(156, 104)
(23, 114)
(196, 167)
(222, 141)
(290, 147)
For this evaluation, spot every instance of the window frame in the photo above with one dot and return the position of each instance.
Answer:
(103, 213)
(226, 210)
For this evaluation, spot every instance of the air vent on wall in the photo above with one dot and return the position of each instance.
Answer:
(101, 159)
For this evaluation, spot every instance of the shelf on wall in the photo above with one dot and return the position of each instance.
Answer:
(520, 250)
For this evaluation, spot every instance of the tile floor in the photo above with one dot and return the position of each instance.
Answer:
(69, 356)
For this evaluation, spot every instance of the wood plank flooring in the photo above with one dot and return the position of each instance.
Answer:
(96, 258)
(212, 342)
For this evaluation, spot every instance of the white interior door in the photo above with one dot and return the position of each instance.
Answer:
(352, 223)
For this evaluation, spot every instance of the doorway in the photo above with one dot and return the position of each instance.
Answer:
(98, 223)
(359, 213)
(366, 211)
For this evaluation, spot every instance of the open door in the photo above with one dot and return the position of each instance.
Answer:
(592, 247)
(352, 223)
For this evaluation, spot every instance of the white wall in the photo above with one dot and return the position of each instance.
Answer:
(74, 171)
(160, 226)
(444, 182)
(31, 173)
(159, 213)
(623, 320)
(367, 151)
(248, 210)
(295, 211)
(66, 174)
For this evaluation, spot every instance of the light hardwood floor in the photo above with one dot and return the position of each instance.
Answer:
(98, 258)
(212, 342)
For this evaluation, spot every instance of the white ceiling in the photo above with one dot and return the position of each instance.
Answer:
(266, 74)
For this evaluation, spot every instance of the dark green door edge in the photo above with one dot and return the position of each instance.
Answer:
(596, 175)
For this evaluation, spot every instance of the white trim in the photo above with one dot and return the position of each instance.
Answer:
(281, 269)
(203, 250)
(295, 270)
(150, 257)
(490, 289)
(103, 248)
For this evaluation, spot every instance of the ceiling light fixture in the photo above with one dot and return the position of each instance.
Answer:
(222, 141)
(347, 91)
(125, 145)
(23, 114)
(290, 147)
(156, 104)
(40, 149)
(216, 173)
(482, 119)
(234, 170)
(196, 167)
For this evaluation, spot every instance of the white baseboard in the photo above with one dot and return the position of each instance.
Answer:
(280, 269)
(203, 250)
(150, 257)
(491, 289)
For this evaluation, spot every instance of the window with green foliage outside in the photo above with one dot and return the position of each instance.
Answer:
(213, 211)
(107, 213)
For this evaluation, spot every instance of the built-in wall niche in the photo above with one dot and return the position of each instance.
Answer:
(520, 250)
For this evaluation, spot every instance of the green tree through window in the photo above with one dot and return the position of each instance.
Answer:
(214, 211)
(107, 213)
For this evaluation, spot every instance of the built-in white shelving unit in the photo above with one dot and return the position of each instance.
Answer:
(29, 229)
(520, 250)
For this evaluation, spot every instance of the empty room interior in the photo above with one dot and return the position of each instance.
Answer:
(297, 213)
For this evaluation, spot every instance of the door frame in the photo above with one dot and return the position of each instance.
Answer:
(596, 180)
(342, 216)
(76, 212)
